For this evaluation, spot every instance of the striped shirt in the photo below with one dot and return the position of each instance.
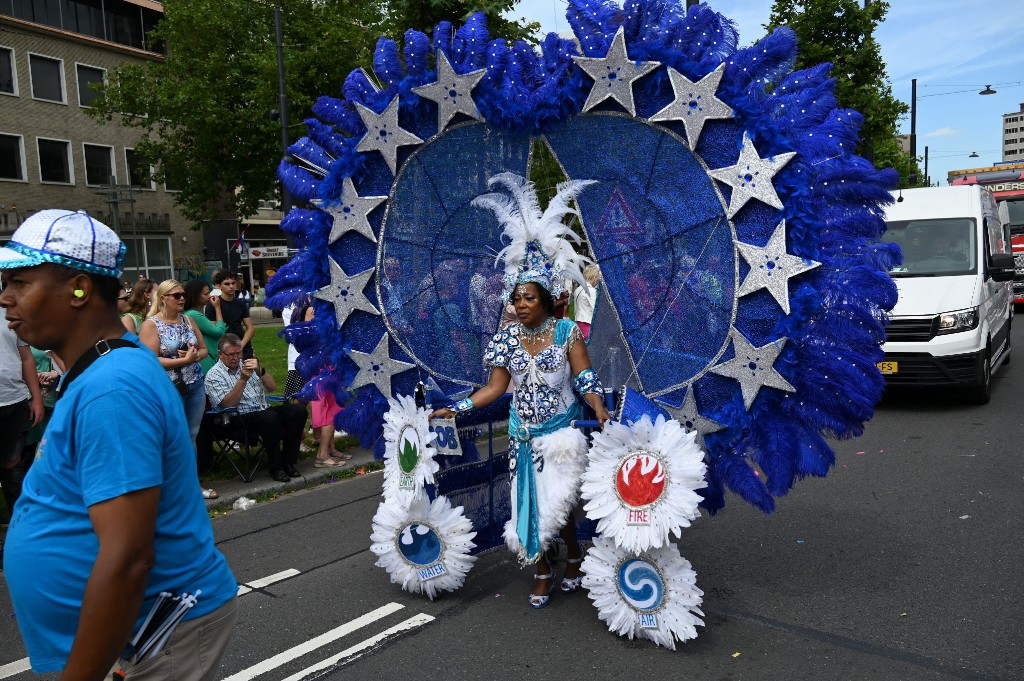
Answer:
(221, 380)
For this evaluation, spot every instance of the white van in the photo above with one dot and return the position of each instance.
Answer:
(951, 324)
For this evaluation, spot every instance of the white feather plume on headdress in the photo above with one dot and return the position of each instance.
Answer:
(528, 231)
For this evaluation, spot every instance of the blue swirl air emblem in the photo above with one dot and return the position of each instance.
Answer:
(640, 585)
(419, 544)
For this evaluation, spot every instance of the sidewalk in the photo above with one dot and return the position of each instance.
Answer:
(262, 316)
(230, 490)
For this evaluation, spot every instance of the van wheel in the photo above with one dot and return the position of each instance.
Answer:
(982, 393)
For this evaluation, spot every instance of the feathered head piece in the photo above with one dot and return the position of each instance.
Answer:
(540, 248)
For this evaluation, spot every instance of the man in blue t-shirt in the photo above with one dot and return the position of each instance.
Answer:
(110, 515)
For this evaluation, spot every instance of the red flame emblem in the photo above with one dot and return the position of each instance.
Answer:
(640, 480)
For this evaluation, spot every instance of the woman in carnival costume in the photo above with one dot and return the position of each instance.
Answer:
(544, 360)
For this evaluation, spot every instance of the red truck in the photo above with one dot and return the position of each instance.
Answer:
(1006, 182)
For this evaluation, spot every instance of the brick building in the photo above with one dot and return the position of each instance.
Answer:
(53, 155)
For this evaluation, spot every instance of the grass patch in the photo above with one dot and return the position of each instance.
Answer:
(272, 352)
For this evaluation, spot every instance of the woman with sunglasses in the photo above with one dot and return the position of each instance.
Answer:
(179, 346)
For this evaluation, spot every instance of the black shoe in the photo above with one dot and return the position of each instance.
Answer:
(291, 470)
(280, 476)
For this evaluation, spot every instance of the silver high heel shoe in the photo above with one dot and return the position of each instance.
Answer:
(569, 585)
(537, 602)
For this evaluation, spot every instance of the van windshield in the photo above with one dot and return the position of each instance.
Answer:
(934, 248)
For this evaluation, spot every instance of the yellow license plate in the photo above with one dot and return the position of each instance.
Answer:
(888, 367)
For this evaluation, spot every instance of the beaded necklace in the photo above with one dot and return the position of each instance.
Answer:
(545, 333)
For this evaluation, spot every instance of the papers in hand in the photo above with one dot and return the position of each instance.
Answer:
(155, 631)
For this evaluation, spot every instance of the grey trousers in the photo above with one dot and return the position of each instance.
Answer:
(194, 650)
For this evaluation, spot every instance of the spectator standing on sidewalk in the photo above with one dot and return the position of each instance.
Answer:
(21, 407)
(197, 297)
(242, 384)
(234, 310)
(177, 343)
(109, 516)
(49, 369)
(138, 305)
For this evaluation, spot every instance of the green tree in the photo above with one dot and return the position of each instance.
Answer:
(842, 32)
(423, 15)
(204, 111)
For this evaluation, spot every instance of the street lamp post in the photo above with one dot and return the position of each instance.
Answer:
(913, 125)
(913, 129)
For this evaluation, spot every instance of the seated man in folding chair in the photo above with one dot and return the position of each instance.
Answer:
(242, 384)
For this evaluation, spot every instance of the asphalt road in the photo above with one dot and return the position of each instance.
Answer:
(904, 563)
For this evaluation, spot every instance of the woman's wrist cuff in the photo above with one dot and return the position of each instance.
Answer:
(463, 406)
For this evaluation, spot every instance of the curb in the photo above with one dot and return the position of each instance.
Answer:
(233, 489)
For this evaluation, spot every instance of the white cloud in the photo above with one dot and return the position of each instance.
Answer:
(943, 132)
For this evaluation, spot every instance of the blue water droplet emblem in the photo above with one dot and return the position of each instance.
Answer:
(419, 544)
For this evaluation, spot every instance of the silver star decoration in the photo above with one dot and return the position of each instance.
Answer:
(614, 75)
(751, 177)
(451, 92)
(753, 367)
(771, 267)
(346, 293)
(377, 367)
(694, 103)
(350, 212)
(383, 133)
(690, 418)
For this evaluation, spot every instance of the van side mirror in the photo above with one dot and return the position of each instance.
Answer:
(1001, 266)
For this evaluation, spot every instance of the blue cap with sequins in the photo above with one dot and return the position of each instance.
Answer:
(68, 238)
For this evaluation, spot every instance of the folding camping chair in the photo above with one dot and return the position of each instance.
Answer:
(233, 442)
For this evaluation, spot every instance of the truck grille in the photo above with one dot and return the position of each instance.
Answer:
(911, 329)
(918, 369)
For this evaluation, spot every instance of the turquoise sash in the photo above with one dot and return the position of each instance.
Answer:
(521, 437)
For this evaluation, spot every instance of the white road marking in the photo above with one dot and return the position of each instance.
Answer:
(311, 645)
(357, 649)
(23, 665)
(266, 581)
(14, 668)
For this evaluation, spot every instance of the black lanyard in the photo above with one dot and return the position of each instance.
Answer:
(101, 348)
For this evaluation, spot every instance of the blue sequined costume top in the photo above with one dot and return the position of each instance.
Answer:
(542, 382)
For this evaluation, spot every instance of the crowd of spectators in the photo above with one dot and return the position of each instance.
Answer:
(202, 336)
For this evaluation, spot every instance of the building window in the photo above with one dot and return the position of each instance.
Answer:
(8, 74)
(84, 16)
(99, 165)
(47, 78)
(150, 256)
(88, 76)
(55, 161)
(139, 173)
(12, 158)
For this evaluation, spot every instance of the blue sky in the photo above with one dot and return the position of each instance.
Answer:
(953, 48)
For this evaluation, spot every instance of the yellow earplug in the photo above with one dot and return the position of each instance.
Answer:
(79, 293)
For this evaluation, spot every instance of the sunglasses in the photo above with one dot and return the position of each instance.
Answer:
(231, 354)
(177, 296)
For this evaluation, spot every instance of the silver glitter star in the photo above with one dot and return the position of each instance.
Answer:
(771, 267)
(451, 92)
(346, 293)
(695, 103)
(753, 367)
(377, 367)
(350, 212)
(690, 418)
(751, 177)
(383, 133)
(614, 74)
